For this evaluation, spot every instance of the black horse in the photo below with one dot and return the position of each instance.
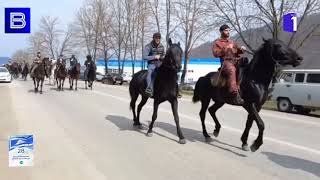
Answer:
(25, 72)
(39, 74)
(14, 70)
(90, 75)
(256, 78)
(74, 75)
(165, 88)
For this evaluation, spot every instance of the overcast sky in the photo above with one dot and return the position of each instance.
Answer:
(64, 9)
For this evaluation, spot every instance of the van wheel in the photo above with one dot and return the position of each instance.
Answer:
(284, 105)
(302, 110)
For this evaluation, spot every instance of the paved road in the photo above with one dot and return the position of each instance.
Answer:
(89, 135)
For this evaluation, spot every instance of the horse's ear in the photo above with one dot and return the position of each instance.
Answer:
(179, 44)
(170, 42)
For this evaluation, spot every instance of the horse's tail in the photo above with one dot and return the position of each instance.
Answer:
(196, 95)
(131, 93)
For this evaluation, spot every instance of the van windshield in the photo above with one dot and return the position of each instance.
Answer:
(287, 77)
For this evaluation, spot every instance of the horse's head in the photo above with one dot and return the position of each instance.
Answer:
(173, 56)
(282, 54)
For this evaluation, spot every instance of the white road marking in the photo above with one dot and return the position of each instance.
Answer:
(296, 146)
(267, 113)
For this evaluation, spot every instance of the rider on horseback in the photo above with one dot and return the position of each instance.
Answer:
(35, 63)
(220, 48)
(60, 61)
(153, 53)
(87, 63)
(73, 62)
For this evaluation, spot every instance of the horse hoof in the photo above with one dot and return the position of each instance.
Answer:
(40, 92)
(216, 133)
(255, 146)
(182, 141)
(150, 134)
(245, 147)
(76, 89)
(209, 139)
(138, 126)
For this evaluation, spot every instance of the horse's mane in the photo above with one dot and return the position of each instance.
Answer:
(257, 54)
(169, 55)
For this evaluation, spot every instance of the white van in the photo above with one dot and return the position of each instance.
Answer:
(297, 89)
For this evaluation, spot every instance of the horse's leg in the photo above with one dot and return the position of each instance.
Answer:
(35, 85)
(134, 98)
(174, 107)
(38, 83)
(42, 80)
(142, 103)
(212, 110)
(63, 83)
(60, 84)
(154, 117)
(244, 137)
(202, 113)
(91, 84)
(76, 84)
(70, 83)
(86, 84)
(255, 113)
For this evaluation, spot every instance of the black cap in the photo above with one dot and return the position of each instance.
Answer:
(89, 57)
(224, 27)
(155, 35)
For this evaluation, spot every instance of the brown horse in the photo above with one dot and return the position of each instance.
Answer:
(60, 74)
(74, 74)
(39, 74)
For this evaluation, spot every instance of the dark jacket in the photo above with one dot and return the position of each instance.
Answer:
(73, 61)
(151, 50)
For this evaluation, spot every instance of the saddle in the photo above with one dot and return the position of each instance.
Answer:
(220, 78)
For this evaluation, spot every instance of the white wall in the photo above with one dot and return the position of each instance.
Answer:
(194, 71)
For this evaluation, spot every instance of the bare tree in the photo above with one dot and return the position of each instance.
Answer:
(154, 5)
(105, 39)
(143, 20)
(21, 56)
(84, 29)
(121, 30)
(36, 43)
(244, 15)
(66, 46)
(194, 25)
(89, 22)
(48, 27)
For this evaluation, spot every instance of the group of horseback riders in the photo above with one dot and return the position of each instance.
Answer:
(154, 52)
(60, 62)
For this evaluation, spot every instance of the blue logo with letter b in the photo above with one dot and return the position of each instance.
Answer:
(17, 20)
